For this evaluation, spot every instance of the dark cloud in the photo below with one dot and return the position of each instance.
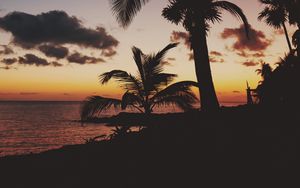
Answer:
(257, 39)
(56, 64)
(55, 27)
(31, 59)
(9, 61)
(250, 64)
(29, 93)
(6, 50)
(57, 52)
(236, 92)
(83, 59)
(178, 36)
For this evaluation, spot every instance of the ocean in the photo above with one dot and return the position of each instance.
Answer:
(32, 127)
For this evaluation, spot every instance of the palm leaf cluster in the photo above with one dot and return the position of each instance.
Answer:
(280, 86)
(191, 13)
(148, 89)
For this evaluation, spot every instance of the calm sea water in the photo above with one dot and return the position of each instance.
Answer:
(31, 127)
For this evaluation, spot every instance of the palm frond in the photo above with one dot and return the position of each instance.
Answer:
(153, 63)
(95, 105)
(125, 10)
(179, 93)
(174, 12)
(235, 10)
(273, 17)
(116, 74)
(161, 80)
(184, 102)
(127, 81)
(131, 99)
(138, 57)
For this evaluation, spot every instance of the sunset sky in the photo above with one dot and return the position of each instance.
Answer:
(42, 64)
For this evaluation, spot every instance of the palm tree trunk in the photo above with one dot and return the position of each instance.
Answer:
(287, 37)
(208, 97)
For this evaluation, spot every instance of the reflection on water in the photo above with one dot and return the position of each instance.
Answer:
(38, 126)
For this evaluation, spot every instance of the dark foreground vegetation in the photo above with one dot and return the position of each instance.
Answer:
(236, 147)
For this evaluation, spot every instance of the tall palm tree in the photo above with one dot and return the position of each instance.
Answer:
(275, 14)
(195, 16)
(145, 91)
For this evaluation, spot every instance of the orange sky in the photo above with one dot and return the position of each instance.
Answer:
(150, 32)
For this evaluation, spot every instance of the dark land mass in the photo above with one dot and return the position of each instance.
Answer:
(236, 147)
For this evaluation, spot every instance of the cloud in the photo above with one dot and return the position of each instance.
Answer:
(83, 59)
(236, 92)
(214, 57)
(278, 32)
(251, 55)
(29, 93)
(9, 61)
(109, 52)
(216, 60)
(6, 68)
(167, 63)
(58, 52)
(55, 27)
(56, 64)
(2, 93)
(215, 53)
(6, 50)
(257, 39)
(178, 36)
(171, 59)
(31, 59)
(250, 64)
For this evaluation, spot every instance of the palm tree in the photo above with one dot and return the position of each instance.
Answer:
(195, 16)
(145, 91)
(265, 71)
(275, 14)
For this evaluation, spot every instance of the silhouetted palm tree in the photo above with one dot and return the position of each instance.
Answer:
(265, 71)
(195, 16)
(145, 90)
(275, 14)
